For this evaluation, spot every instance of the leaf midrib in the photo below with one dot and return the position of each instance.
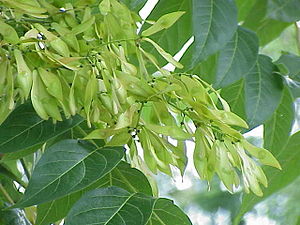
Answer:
(59, 177)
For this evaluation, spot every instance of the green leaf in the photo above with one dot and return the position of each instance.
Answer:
(237, 58)
(265, 28)
(277, 129)
(110, 206)
(24, 129)
(214, 24)
(68, 167)
(122, 176)
(166, 213)
(206, 69)
(263, 90)
(131, 209)
(288, 64)
(134, 5)
(289, 158)
(235, 96)
(244, 7)
(284, 10)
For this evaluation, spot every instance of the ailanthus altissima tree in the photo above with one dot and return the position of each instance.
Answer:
(87, 109)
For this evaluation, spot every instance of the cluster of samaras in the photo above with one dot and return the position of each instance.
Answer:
(91, 61)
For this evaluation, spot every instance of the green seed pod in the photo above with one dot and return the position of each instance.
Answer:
(24, 77)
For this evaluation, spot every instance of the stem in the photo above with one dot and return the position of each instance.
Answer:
(297, 25)
(121, 40)
(139, 115)
(6, 195)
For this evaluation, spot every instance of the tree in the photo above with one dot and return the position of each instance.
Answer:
(87, 109)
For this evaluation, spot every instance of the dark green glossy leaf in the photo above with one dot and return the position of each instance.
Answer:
(134, 5)
(277, 129)
(166, 213)
(289, 158)
(55, 210)
(5, 171)
(214, 24)
(237, 58)
(111, 206)
(284, 10)
(265, 28)
(24, 129)
(122, 176)
(263, 90)
(68, 167)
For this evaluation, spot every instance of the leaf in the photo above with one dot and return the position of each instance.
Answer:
(122, 176)
(288, 64)
(237, 58)
(67, 167)
(289, 159)
(244, 8)
(134, 5)
(131, 209)
(110, 206)
(214, 24)
(265, 28)
(277, 129)
(284, 10)
(166, 213)
(263, 90)
(235, 96)
(24, 129)
(164, 22)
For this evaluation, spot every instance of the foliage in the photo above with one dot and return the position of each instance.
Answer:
(87, 110)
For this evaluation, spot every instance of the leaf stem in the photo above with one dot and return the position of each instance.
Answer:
(297, 25)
